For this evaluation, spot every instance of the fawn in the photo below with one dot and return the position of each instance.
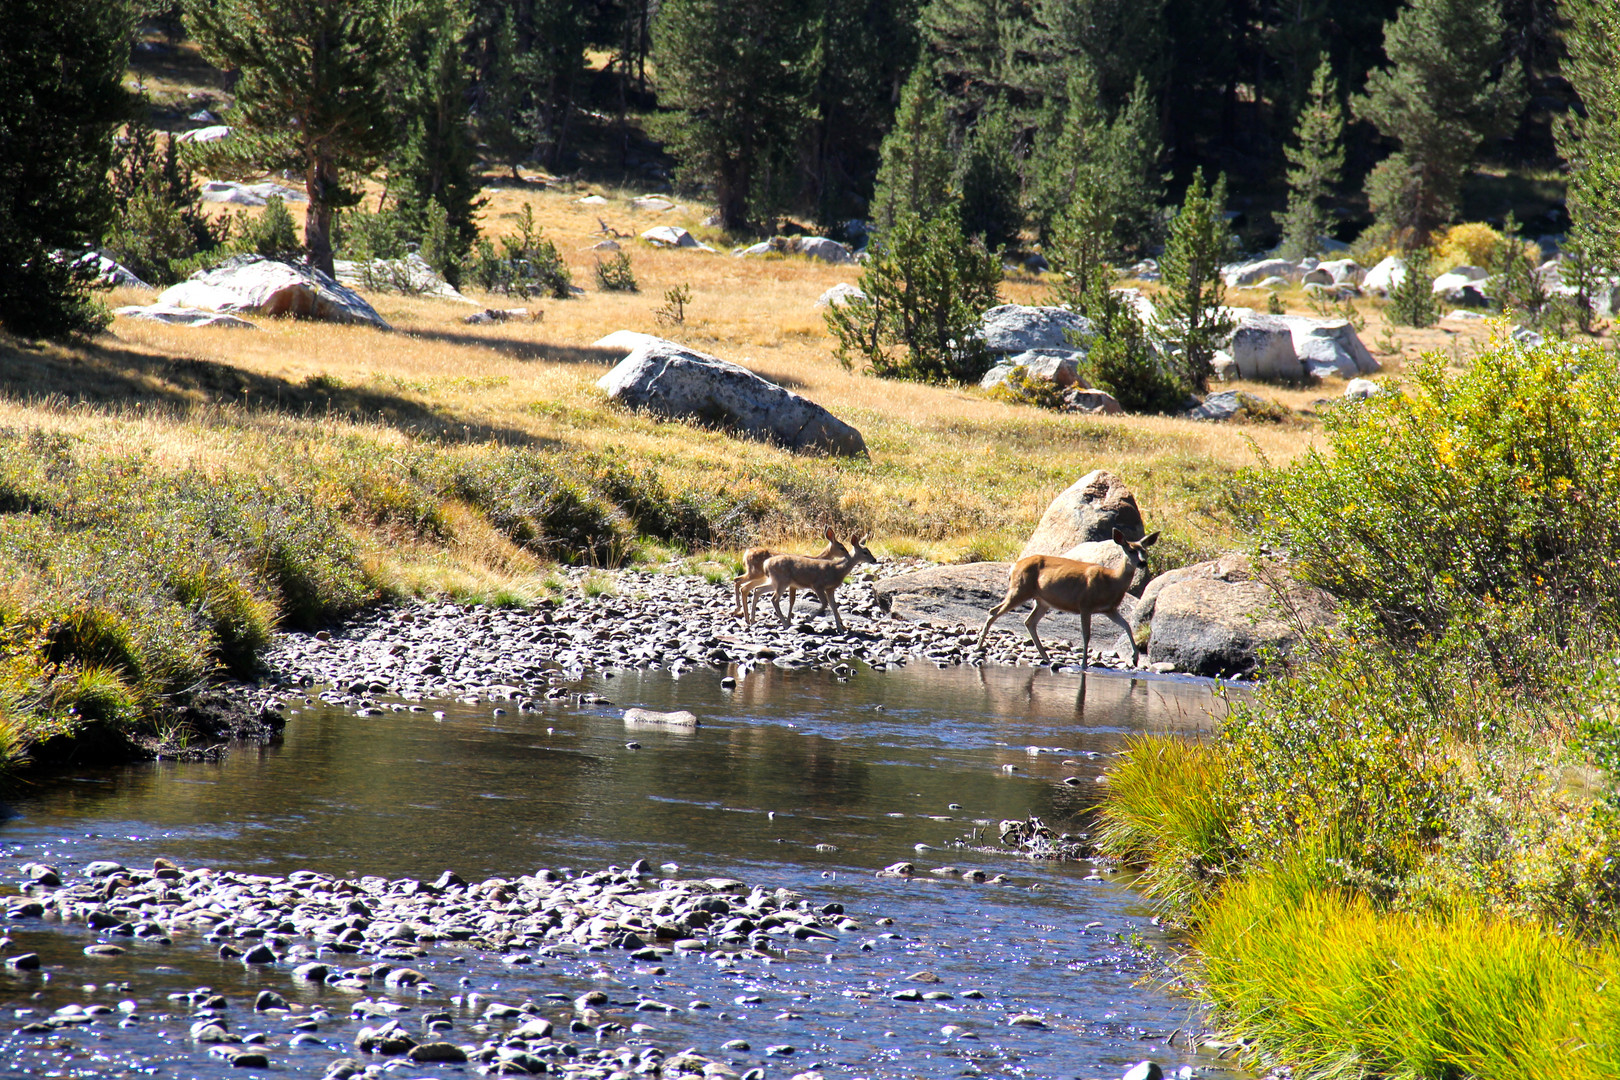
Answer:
(795, 572)
(754, 570)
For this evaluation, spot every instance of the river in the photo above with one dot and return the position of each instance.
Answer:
(795, 780)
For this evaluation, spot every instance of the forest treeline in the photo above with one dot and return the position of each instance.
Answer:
(1324, 120)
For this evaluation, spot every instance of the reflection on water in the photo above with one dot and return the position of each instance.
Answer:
(794, 780)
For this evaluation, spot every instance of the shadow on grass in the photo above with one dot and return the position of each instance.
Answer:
(516, 349)
(104, 372)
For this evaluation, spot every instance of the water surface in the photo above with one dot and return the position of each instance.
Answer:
(794, 780)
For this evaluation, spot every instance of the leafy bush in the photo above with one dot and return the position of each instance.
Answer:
(926, 289)
(615, 275)
(1022, 388)
(1469, 243)
(1493, 485)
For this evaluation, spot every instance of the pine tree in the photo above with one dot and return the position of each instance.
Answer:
(500, 96)
(926, 289)
(551, 68)
(61, 100)
(1440, 99)
(1317, 159)
(734, 72)
(313, 92)
(1132, 173)
(1191, 315)
(160, 223)
(1589, 137)
(989, 182)
(915, 176)
(1069, 151)
(981, 50)
(1119, 40)
(1119, 159)
(435, 161)
(862, 53)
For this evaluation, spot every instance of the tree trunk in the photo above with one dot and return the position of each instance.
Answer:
(320, 184)
(731, 193)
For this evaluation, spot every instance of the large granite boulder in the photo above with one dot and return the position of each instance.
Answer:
(1246, 275)
(1219, 619)
(1388, 273)
(253, 285)
(1263, 350)
(1015, 328)
(1090, 510)
(1294, 348)
(1330, 347)
(952, 596)
(672, 380)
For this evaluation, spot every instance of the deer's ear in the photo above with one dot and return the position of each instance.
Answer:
(830, 536)
(1119, 538)
(1150, 539)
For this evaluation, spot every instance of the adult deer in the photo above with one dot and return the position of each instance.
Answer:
(1080, 588)
(795, 572)
(754, 569)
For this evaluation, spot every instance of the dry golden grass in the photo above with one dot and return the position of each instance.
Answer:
(952, 475)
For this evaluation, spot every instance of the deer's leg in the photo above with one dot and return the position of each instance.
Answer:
(1032, 622)
(741, 585)
(776, 602)
(1012, 601)
(1119, 620)
(1085, 639)
(831, 600)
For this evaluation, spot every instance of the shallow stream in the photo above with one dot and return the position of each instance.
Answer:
(794, 780)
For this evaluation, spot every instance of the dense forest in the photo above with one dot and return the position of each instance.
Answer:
(1327, 122)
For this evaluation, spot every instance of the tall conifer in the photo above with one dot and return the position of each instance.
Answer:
(61, 99)
(1316, 159)
(313, 92)
(1441, 96)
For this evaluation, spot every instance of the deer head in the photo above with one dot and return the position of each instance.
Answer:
(1136, 550)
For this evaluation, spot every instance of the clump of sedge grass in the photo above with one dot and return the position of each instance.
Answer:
(1167, 811)
(1336, 987)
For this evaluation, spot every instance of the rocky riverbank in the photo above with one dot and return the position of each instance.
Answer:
(374, 972)
(362, 937)
(636, 619)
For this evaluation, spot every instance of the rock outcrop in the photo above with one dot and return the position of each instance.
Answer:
(252, 285)
(1294, 348)
(182, 316)
(1090, 510)
(1218, 618)
(1015, 328)
(671, 380)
